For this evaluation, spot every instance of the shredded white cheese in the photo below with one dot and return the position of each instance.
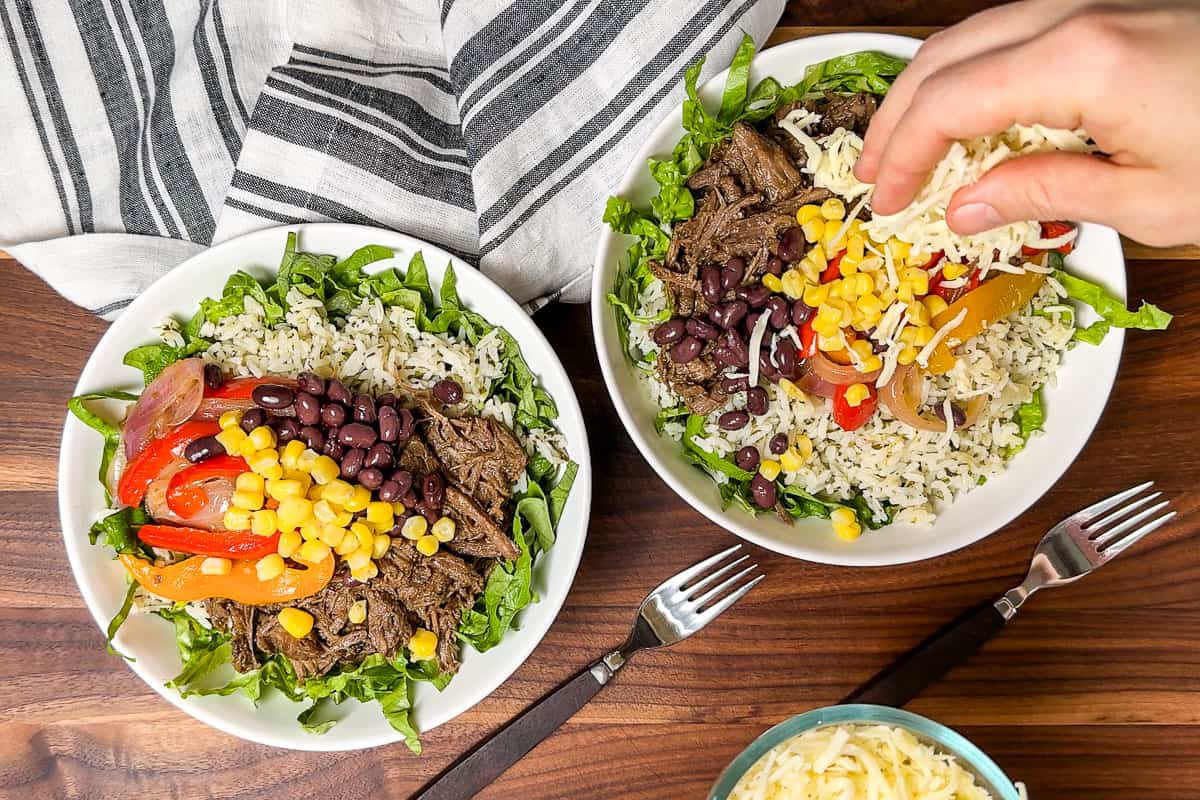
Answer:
(857, 762)
(756, 337)
(942, 332)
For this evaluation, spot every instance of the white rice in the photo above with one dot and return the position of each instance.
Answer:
(887, 461)
(375, 349)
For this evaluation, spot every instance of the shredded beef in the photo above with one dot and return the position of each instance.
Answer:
(698, 382)
(476, 532)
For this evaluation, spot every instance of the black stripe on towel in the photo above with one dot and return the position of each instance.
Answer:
(211, 78)
(498, 39)
(227, 57)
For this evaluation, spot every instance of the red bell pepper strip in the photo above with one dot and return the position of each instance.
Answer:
(851, 418)
(185, 492)
(241, 388)
(833, 271)
(808, 339)
(223, 544)
(148, 464)
(1052, 230)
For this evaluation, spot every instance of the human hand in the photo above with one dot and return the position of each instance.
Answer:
(1128, 73)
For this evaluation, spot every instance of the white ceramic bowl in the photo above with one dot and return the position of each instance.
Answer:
(1073, 407)
(150, 640)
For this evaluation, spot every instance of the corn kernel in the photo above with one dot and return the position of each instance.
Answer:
(830, 244)
(869, 304)
(856, 393)
(343, 519)
(845, 312)
(230, 419)
(792, 284)
(358, 612)
(803, 446)
(414, 527)
(358, 500)
(303, 478)
(769, 469)
(363, 535)
(833, 209)
(307, 460)
(443, 530)
(246, 447)
(864, 283)
(281, 488)
(423, 645)
(289, 543)
(792, 390)
(264, 522)
(325, 469)
(887, 295)
(249, 482)
(297, 622)
(293, 512)
(272, 471)
(269, 567)
(365, 573)
(899, 250)
(314, 552)
(817, 255)
(382, 544)
(250, 501)
(262, 437)
(953, 271)
(332, 535)
(862, 347)
(231, 439)
(427, 545)
(920, 285)
(338, 491)
(347, 546)
(906, 356)
(835, 289)
(905, 293)
(924, 334)
(380, 515)
(236, 519)
(809, 211)
(842, 516)
(215, 566)
(829, 344)
(872, 363)
(848, 532)
(856, 248)
(934, 305)
(790, 460)
(314, 492)
(813, 230)
(359, 558)
(310, 531)
(810, 271)
(261, 460)
(323, 510)
(772, 282)
(918, 314)
(398, 507)
(814, 296)
(290, 453)
(849, 265)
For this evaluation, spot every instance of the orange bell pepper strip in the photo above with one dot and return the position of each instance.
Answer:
(993, 300)
(184, 582)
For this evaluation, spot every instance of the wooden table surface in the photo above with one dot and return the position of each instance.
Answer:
(1093, 692)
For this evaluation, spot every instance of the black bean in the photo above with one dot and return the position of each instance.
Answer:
(403, 479)
(724, 356)
(766, 368)
(960, 416)
(775, 266)
(308, 408)
(732, 273)
(710, 284)
(311, 383)
(801, 312)
(352, 462)
(380, 455)
(786, 357)
(334, 449)
(686, 349)
(728, 315)
(333, 415)
(778, 444)
(286, 428)
(756, 295)
(756, 401)
(389, 491)
(356, 434)
(735, 385)
(791, 244)
(336, 391)
(385, 399)
(370, 477)
(212, 376)
(750, 321)
(747, 457)
(670, 332)
(273, 396)
(876, 347)
(448, 391)
(763, 491)
(362, 408)
(780, 311)
(389, 424)
(738, 346)
(408, 424)
(427, 511)
(203, 448)
(312, 436)
(433, 490)
(253, 418)
(409, 499)
(733, 420)
(702, 329)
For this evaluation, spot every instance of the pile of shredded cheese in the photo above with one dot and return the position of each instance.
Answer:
(923, 224)
(857, 762)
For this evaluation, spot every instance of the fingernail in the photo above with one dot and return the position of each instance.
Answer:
(974, 218)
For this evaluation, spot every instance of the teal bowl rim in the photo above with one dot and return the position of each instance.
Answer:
(947, 739)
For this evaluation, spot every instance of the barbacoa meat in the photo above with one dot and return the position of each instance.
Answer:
(698, 382)
(477, 533)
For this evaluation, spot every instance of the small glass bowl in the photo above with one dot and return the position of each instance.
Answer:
(987, 773)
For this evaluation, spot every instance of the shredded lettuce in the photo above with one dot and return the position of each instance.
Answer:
(1111, 309)
(118, 620)
(119, 530)
(1030, 416)
(109, 430)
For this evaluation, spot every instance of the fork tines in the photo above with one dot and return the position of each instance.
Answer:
(695, 592)
(1111, 526)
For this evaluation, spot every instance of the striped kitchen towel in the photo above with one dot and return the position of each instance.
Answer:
(136, 132)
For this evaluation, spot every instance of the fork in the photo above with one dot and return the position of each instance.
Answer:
(679, 607)
(1075, 547)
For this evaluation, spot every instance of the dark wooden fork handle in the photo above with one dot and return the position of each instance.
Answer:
(488, 760)
(927, 662)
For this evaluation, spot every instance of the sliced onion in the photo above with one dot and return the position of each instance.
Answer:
(211, 517)
(840, 374)
(211, 408)
(170, 399)
(812, 383)
(115, 468)
(902, 396)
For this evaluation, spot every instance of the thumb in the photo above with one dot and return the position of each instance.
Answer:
(1048, 186)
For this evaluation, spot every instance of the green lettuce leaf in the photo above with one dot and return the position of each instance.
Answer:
(509, 589)
(119, 530)
(109, 430)
(698, 455)
(118, 620)
(152, 359)
(201, 649)
(1112, 310)
(665, 415)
